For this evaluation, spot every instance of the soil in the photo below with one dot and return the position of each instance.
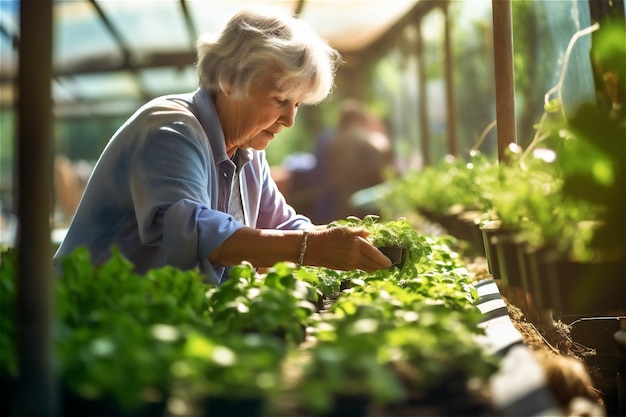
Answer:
(576, 387)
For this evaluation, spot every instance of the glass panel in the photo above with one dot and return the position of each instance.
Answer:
(564, 20)
(102, 86)
(472, 40)
(161, 81)
(212, 16)
(9, 16)
(148, 24)
(349, 27)
(542, 32)
(79, 33)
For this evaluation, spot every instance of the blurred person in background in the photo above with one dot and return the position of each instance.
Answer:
(185, 181)
(358, 154)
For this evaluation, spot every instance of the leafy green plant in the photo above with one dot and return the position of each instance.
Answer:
(235, 365)
(572, 189)
(118, 333)
(378, 324)
(435, 347)
(592, 162)
(125, 362)
(344, 362)
(275, 303)
(8, 330)
(451, 186)
(393, 233)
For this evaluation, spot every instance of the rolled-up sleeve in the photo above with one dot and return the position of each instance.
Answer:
(175, 192)
(161, 188)
(191, 232)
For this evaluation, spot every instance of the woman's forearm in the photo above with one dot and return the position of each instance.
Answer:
(342, 248)
(262, 248)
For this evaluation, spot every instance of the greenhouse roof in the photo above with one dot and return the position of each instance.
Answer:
(112, 54)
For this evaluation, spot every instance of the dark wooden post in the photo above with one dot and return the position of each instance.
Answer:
(422, 97)
(36, 394)
(450, 93)
(505, 81)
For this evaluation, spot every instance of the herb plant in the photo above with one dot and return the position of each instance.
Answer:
(275, 303)
(8, 330)
(394, 233)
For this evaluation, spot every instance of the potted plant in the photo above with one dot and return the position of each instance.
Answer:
(9, 371)
(397, 237)
(454, 193)
(229, 374)
(342, 371)
(386, 330)
(277, 303)
(591, 257)
(117, 333)
(438, 359)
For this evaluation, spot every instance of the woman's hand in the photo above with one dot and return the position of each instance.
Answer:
(345, 249)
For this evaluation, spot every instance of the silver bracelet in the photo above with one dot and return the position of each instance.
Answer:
(305, 237)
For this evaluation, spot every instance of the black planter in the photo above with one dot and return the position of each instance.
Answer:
(506, 245)
(586, 288)
(470, 231)
(451, 397)
(494, 234)
(396, 254)
(523, 254)
(8, 393)
(319, 302)
(537, 283)
(76, 406)
(349, 406)
(219, 406)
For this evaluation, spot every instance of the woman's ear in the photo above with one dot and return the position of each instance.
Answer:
(228, 89)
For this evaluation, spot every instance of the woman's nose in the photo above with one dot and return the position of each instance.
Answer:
(288, 117)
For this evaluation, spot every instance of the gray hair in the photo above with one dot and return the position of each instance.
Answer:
(256, 42)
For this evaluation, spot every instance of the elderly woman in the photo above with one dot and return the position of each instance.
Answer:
(185, 182)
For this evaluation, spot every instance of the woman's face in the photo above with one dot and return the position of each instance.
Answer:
(252, 122)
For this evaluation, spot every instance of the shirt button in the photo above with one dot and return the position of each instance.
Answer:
(225, 175)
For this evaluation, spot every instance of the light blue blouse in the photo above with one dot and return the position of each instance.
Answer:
(161, 189)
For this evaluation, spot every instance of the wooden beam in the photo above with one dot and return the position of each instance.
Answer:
(34, 145)
(504, 73)
(450, 91)
(422, 97)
